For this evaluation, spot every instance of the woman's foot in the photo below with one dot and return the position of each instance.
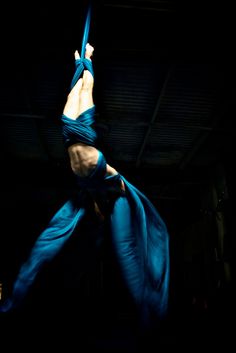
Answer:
(88, 52)
(88, 79)
(77, 56)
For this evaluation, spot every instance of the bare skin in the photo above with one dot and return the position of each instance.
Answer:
(83, 158)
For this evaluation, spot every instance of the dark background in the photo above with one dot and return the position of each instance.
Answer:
(164, 91)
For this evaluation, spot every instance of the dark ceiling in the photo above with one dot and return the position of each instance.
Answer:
(163, 90)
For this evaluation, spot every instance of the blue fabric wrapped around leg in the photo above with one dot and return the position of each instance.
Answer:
(139, 235)
(81, 65)
(79, 130)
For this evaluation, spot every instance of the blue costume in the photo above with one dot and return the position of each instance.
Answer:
(139, 234)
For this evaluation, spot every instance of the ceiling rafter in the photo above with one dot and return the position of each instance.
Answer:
(154, 116)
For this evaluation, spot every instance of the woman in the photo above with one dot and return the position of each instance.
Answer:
(83, 155)
(139, 235)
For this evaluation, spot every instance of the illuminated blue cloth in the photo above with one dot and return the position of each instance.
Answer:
(79, 129)
(142, 244)
(139, 235)
(83, 63)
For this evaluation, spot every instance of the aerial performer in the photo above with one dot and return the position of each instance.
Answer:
(139, 235)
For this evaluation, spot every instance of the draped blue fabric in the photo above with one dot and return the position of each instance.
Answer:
(139, 235)
(48, 244)
(141, 242)
(80, 129)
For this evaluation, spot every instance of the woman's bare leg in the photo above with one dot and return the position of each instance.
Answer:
(80, 97)
(86, 94)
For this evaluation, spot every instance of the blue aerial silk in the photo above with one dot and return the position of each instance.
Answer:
(80, 129)
(139, 235)
(83, 63)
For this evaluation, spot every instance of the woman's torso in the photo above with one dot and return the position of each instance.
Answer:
(84, 158)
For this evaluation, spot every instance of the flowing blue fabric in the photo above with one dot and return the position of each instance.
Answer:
(139, 235)
(48, 244)
(141, 242)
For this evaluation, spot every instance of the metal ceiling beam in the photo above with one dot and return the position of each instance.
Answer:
(203, 137)
(191, 153)
(154, 115)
